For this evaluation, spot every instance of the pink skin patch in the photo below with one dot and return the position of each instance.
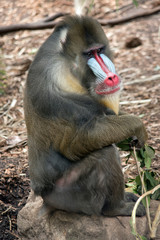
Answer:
(111, 83)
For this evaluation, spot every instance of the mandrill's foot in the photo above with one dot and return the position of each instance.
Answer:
(125, 207)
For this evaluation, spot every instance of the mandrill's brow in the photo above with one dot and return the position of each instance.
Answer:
(94, 48)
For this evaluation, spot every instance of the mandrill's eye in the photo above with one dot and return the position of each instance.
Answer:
(101, 50)
(88, 54)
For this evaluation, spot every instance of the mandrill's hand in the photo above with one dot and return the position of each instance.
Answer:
(140, 137)
(138, 133)
(135, 143)
(129, 144)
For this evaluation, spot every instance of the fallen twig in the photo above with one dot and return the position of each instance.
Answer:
(151, 78)
(10, 222)
(137, 14)
(53, 17)
(136, 101)
(42, 24)
(19, 144)
(6, 210)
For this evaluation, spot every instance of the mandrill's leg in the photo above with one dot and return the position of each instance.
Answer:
(97, 191)
(124, 207)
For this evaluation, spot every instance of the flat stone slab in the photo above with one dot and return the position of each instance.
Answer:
(71, 226)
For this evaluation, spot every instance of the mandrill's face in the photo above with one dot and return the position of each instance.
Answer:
(107, 83)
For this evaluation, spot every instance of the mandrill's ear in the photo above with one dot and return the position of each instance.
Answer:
(61, 31)
(63, 36)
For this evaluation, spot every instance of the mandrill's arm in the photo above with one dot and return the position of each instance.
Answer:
(98, 133)
(106, 131)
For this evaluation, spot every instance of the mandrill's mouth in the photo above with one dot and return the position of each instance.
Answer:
(103, 89)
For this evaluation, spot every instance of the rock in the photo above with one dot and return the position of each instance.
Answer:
(133, 42)
(71, 226)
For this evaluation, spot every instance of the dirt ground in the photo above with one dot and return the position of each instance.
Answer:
(139, 61)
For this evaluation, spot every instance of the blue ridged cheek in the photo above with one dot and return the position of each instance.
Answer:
(108, 63)
(96, 68)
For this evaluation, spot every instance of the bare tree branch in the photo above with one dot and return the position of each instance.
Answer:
(142, 13)
(49, 23)
(42, 24)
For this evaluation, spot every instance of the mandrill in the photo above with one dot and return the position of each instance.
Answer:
(72, 115)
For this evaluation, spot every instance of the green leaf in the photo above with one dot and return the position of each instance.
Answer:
(147, 162)
(140, 159)
(143, 238)
(135, 2)
(149, 151)
(138, 180)
(151, 179)
(124, 145)
(156, 195)
(142, 152)
(130, 184)
(135, 191)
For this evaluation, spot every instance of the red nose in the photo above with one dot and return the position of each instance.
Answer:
(111, 79)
